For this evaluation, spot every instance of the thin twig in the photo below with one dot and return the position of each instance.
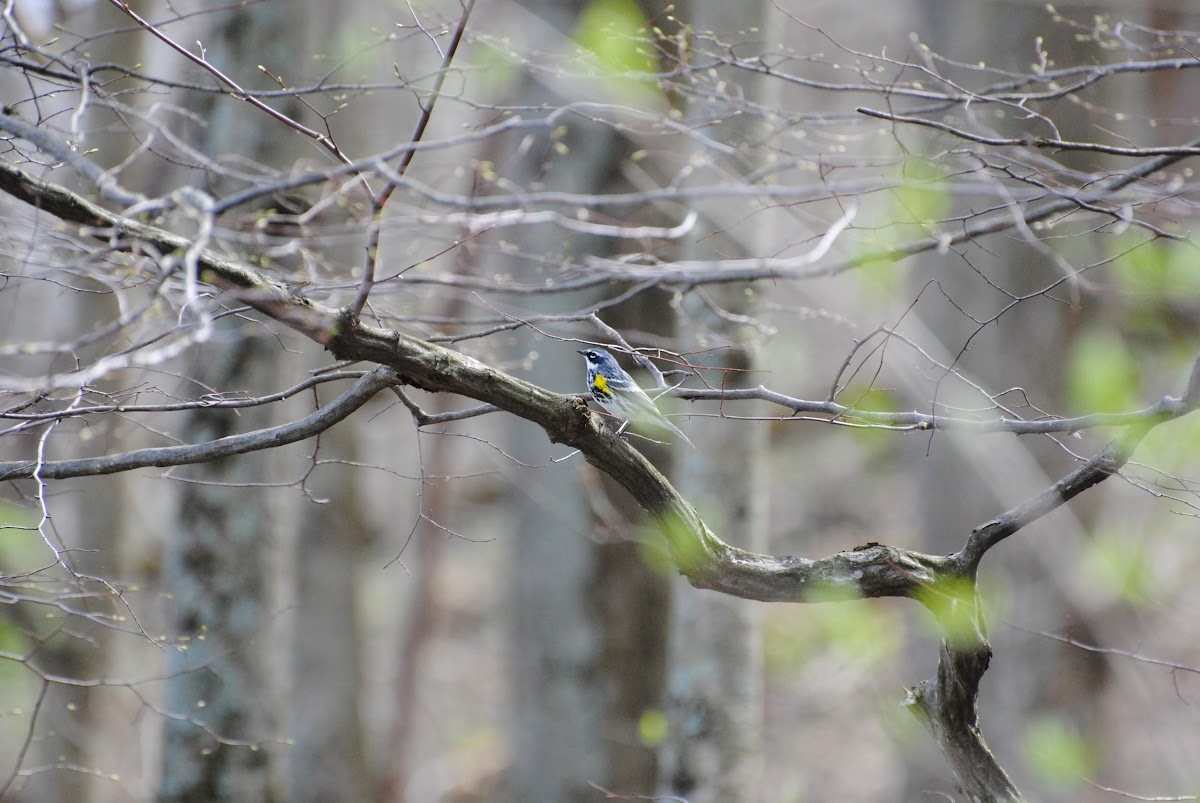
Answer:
(380, 201)
(239, 93)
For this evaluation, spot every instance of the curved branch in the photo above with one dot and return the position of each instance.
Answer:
(165, 456)
(1107, 462)
(701, 556)
(946, 706)
(106, 184)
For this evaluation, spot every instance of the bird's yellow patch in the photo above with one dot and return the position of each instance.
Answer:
(600, 383)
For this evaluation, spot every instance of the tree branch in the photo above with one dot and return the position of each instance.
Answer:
(105, 183)
(378, 202)
(946, 705)
(270, 438)
(323, 140)
(1034, 142)
(1106, 463)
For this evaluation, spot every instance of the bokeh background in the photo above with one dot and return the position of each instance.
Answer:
(466, 611)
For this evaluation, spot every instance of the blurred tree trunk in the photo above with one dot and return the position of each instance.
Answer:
(89, 518)
(421, 615)
(217, 565)
(328, 757)
(714, 696)
(223, 559)
(327, 760)
(587, 645)
(558, 695)
(571, 664)
(91, 727)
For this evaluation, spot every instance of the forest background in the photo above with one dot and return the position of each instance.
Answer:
(298, 505)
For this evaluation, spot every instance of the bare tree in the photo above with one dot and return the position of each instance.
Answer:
(840, 265)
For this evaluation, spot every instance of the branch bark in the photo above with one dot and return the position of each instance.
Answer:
(946, 706)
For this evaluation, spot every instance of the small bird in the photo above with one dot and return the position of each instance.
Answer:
(614, 390)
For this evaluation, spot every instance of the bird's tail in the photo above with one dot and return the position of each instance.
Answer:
(677, 431)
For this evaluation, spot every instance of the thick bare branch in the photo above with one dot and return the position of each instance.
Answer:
(705, 559)
(994, 184)
(946, 705)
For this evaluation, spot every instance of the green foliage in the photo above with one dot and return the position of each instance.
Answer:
(1173, 447)
(1159, 288)
(1119, 567)
(12, 516)
(615, 36)
(652, 727)
(955, 606)
(1102, 375)
(16, 681)
(615, 33)
(874, 400)
(916, 205)
(1156, 270)
(1056, 752)
(20, 545)
(783, 648)
(13, 675)
(654, 553)
(903, 723)
(681, 552)
(861, 631)
(497, 68)
(686, 550)
(919, 198)
(878, 281)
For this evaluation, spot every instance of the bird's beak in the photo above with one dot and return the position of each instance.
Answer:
(581, 351)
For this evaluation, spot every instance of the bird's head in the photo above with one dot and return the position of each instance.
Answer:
(598, 358)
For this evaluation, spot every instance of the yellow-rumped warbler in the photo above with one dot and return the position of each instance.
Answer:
(615, 391)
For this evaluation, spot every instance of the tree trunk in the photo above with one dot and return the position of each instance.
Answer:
(224, 559)
(217, 567)
(714, 697)
(588, 616)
